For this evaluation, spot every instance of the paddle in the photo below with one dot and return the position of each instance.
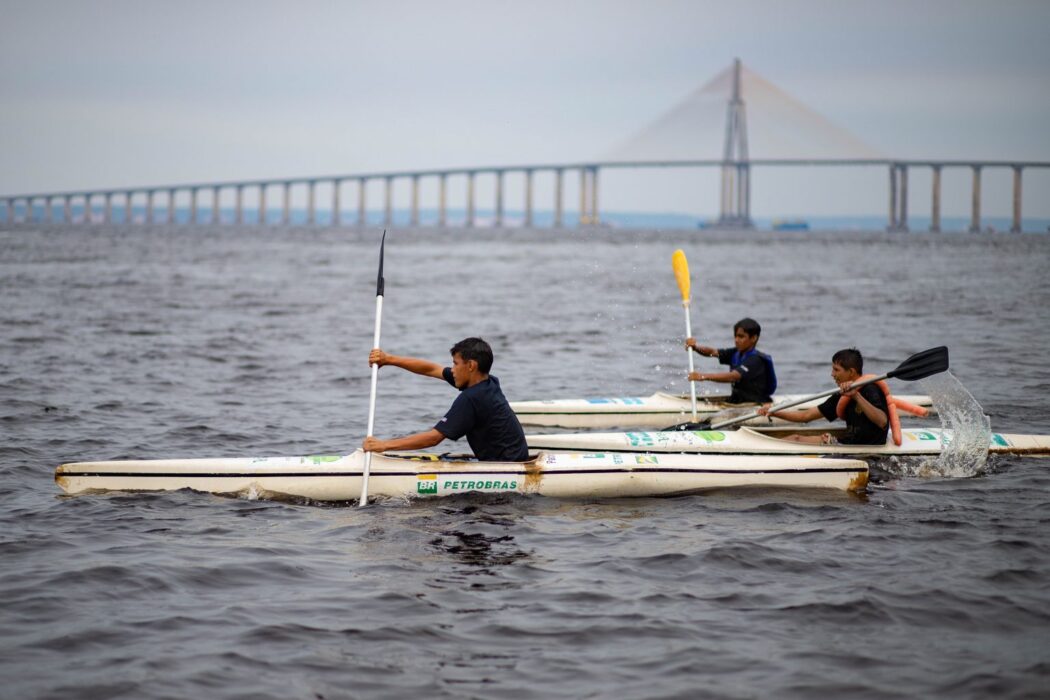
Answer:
(681, 274)
(918, 366)
(375, 374)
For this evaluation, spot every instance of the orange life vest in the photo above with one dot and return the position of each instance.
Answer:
(892, 406)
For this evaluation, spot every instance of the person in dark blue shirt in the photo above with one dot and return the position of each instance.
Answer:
(750, 372)
(480, 412)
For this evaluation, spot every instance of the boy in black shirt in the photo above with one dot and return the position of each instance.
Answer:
(750, 371)
(480, 412)
(865, 414)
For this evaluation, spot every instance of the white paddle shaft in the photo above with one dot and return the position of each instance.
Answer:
(689, 351)
(372, 403)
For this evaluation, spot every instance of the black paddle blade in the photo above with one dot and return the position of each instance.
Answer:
(380, 282)
(706, 425)
(922, 365)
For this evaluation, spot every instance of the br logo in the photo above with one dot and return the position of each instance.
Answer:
(427, 483)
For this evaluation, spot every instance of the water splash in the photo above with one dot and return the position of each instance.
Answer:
(970, 431)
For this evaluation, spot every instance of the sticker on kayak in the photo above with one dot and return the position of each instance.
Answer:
(710, 436)
(322, 459)
(652, 439)
(622, 402)
(920, 435)
(431, 485)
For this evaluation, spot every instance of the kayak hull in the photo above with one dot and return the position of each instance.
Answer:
(567, 475)
(748, 441)
(659, 410)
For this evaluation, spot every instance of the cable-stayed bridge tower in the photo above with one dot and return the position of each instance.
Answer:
(735, 210)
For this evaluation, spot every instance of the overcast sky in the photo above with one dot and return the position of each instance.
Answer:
(129, 93)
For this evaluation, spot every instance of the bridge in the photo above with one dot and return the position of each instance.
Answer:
(205, 200)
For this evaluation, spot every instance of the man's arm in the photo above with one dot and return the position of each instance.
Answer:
(418, 441)
(701, 349)
(724, 377)
(799, 415)
(875, 414)
(412, 364)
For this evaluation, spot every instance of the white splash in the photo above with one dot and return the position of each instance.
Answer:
(966, 454)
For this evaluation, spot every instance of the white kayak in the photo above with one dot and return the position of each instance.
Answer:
(661, 410)
(747, 441)
(573, 475)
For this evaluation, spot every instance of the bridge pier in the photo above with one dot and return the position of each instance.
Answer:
(337, 218)
(498, 222)
(216, 208)
(262, 202)
(388, 207)
(149, 206)
(171, 206)
(584, 219)
(935, 204)
(193, 205)
(975, 215)
(311, 202)
(528, 198)
(559, 174)
(1015, 226)
(594, 196)
(902, 220)
(362, 183)
(129, 207)
(891, 225)
(442, 199)
(238, 215)
(286, 203)
(415, 200)
(469, 222)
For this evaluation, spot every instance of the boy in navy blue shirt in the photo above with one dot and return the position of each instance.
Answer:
(480, 412)
(750, 372)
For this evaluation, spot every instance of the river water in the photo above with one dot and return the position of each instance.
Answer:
(164, 342)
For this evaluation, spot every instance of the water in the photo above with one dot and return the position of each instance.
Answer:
(160, 342)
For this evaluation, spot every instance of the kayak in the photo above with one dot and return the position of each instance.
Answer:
(571, 475)
(661, 410)
(748, 441)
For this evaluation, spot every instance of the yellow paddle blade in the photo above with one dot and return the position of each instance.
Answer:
(681, 272)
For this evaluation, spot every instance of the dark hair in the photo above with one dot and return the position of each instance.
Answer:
(474, 349)
(849, 358)
(749, 326)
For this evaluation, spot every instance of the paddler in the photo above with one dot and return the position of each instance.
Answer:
(865, 410)
(750, 372)
(480, 412)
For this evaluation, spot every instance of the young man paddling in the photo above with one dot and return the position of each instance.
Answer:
(865, 411)
(480, 412)
(750, 371)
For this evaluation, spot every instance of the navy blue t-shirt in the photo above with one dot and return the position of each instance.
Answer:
(859, 428)
(481, 412)
(753, 383)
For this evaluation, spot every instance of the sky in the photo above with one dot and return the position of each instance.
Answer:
(120, 93)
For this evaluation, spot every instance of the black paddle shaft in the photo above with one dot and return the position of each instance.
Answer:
(380, 282)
